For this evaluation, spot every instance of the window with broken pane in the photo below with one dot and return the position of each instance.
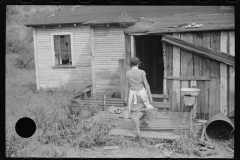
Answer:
(62, 48)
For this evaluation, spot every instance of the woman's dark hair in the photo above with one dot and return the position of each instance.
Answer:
(135, 61)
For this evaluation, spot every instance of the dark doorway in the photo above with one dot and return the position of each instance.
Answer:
(149, 50)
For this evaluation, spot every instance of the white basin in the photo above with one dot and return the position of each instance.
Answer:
(190, 91)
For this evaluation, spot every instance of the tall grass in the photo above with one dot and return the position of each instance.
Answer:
(57, 125)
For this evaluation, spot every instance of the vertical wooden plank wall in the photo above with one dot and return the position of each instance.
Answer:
(223, 74)
(216, 93)
(176, 73)
(206, 72)
(186, 66)
(214, 99)
(197, 71)
(231, 75)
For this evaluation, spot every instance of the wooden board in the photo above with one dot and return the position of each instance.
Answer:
(214, 93)
(198, 71)
(165, 70)
(133, 49)
(127, 49)
(147, 134)
(206, 72)
(169, 63)
(122, 73)
(176, 72)
(223, 75)
(231, 74)
(36, 58)
(186, 66)
(93, 63)
(195, 78)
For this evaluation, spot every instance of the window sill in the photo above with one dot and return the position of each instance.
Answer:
(63, 66)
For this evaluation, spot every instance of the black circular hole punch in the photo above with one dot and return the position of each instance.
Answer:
(55, 1)
(173, 1)
(25, 127)
(202, 1)
(85, 1)
(144, 1)
(114, 1)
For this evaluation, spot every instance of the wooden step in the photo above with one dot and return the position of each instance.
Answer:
(161, 105)
(162, 96)
(147, 134)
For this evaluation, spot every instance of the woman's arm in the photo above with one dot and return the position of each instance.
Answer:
(147, 86)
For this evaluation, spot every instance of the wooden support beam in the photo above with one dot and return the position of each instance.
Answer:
(231, 74)
(93, 63)
(223, 74)
(133, 49)
(195, 78)
(165, 70)
(176, 72)
(36, 57)
(122, 72)
(206, 72)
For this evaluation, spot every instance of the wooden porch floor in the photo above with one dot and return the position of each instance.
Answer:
(163, 127)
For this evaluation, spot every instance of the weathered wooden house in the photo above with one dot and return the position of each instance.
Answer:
(86, 43)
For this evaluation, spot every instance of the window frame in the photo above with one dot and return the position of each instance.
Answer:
(53, 51)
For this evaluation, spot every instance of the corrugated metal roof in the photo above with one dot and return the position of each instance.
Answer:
(118, 14)
(202, 51)
(212, 20)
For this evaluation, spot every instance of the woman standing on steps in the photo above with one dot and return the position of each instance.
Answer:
(138, 93)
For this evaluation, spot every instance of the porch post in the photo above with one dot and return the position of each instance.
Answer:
(133, 49)
(122, 72)
(93, 63)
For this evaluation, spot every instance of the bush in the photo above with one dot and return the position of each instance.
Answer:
(25, 60)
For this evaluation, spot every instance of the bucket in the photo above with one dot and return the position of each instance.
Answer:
(125, 113)
(151, 114)
(219, 127)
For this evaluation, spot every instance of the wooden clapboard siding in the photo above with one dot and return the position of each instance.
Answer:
(214, 99)
(231, 75)
(109, 47)
(198, 71)
(186, 66)
(223, 74)
(206, 72)
(53, 77)
(176, 72)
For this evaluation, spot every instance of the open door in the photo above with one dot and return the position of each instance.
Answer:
(149, 51)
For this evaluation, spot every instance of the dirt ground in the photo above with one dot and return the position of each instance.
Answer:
(20, 85)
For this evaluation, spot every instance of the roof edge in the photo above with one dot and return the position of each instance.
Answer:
(203, 51)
